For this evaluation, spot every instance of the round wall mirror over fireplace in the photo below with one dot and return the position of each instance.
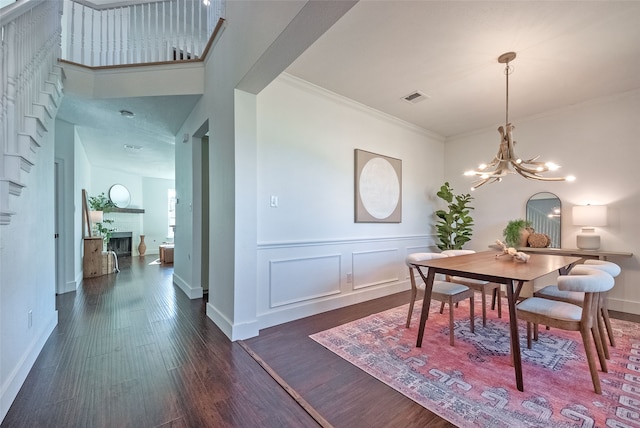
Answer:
(544, 211)
(120, 196)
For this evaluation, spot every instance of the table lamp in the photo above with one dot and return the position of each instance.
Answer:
(589, 216)
(94, 218)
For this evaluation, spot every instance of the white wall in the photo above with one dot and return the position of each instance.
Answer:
(27, 274)
(598, 143)
(156, 214)
(147, 193)
(82, 180)
(310, 242)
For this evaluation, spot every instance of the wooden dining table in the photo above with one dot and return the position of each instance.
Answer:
(493, 266)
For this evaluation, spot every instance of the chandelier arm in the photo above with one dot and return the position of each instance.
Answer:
(535, 176)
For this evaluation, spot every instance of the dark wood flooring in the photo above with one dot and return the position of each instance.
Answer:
(131, 350)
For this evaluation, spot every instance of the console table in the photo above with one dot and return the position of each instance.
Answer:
(576, 252)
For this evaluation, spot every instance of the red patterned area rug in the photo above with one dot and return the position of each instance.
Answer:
(473, 383)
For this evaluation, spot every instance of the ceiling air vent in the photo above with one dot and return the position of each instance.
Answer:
(415, 97)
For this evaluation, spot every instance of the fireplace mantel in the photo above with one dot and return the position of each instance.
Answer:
(127, 210)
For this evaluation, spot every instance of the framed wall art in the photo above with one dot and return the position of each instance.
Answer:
(378, 188)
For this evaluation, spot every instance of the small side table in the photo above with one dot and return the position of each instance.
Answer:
(166, 254)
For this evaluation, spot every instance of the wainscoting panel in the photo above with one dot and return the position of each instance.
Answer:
(375, 267)
(301, 278)
(295, 280)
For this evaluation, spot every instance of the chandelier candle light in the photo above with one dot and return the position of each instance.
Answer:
(506, 161)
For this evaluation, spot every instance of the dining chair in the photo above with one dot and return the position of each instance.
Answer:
(442, 291)
(552, 292)
(567, 316)
(478, 285)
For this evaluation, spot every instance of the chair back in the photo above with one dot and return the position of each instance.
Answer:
(453, 253)
(420, 257)
(586, 280)
(603, 265)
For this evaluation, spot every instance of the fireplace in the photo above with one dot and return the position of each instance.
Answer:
(120, 243)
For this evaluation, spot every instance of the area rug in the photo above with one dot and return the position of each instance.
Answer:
(473, 382)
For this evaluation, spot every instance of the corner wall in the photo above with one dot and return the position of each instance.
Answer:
(27, 274)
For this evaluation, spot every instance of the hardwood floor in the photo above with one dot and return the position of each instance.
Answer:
(131, 350)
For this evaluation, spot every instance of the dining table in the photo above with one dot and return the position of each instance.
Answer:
(493, 266)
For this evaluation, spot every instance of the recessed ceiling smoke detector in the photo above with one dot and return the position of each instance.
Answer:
(126, 113)
(132, 148)
(415, 97)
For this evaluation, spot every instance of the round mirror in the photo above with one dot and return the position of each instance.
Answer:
(544, 211)
(119, 195)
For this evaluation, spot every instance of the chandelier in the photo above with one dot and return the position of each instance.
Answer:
(506, 161)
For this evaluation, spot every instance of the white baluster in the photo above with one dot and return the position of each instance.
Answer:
(122, 53)
(114, 48)
(11, 76)
(82, 33)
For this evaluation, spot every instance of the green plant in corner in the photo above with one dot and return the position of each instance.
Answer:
(104, 204)
(454, 226)
(512, 233)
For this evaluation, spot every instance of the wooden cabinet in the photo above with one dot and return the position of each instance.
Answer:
(95, 262)
(166, 253)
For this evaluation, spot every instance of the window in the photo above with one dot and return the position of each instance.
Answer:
(171, 193)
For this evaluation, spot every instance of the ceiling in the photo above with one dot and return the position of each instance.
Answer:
(141, 145)
(568, 52)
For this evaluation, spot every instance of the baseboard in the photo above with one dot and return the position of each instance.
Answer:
(316, 306)
(234, 332)
(191, 292)
(69, 286)
(16, 378)
(625, 306)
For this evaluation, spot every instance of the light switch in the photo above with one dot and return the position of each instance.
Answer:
(274, 201)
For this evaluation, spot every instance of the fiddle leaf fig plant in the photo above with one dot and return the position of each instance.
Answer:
(454, 226)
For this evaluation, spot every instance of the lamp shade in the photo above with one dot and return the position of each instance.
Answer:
(96, 217)
(590, 215)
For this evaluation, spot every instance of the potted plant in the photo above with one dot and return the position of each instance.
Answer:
(102, 203)
(454, 226)
(517, 232)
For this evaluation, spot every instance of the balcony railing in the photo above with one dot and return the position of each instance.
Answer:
(158, 31)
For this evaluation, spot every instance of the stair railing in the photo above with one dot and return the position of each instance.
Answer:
(156, 31)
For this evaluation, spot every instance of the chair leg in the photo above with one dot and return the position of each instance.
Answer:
(605, 315)
(601, 331)
(528, 335)
(535, 332)
(414, 292)
(597, 340)
(450, 321)
(499, 302)
(484, 308)
(494, 298)
(592, 364)
(471, 315)
(441, 307)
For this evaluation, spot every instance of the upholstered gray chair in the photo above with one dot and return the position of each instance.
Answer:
(567, 316)
(442, 291)
(552, 292)
(478, 285)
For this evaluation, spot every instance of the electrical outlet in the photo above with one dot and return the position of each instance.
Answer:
(274, 201)
(30, 317)
(349, 278)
